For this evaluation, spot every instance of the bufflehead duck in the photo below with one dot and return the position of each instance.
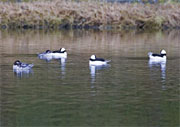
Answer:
(47, 55)
(21, 66)
(158, 57)
(61, 53)
(97, 61)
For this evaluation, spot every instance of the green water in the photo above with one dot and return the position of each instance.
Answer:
(128, 93)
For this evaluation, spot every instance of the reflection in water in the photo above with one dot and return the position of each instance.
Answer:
(126, 90)
(93, 71)
(93, 74)
(62, 62)
(23, 73)
(63, 66)
(162, 65)
(48, 58)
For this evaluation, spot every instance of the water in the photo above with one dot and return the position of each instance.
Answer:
(128, 92)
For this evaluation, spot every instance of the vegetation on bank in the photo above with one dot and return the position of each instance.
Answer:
(99, 15)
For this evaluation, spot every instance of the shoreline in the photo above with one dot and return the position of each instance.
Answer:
(62, 14)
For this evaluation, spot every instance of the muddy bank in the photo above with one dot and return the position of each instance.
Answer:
(61, 14)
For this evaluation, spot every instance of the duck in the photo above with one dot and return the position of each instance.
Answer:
(47, 55)
(21, 66)
(97, 61)
(158, 57)
(61, 53)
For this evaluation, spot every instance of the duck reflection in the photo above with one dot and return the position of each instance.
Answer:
(23, 73)
(162, 65)
(93, 71)
(63, 65)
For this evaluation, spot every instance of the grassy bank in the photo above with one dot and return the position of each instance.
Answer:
(63, 14)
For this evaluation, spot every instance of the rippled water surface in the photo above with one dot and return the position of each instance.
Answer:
(130, 91)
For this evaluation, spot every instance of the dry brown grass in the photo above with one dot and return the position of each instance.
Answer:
(64, 14)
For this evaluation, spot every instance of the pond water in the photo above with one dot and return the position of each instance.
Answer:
(128, 92)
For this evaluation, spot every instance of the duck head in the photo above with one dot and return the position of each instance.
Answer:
(48, 51)
(62, 49)
(93, 57)
(163, 52)
(17, 62)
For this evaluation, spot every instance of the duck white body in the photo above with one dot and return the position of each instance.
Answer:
(48, 55)
(97, 61)
(21, 66)
(59, 53)
(157, 57)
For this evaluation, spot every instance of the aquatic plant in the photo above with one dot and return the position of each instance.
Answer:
(98, 15)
